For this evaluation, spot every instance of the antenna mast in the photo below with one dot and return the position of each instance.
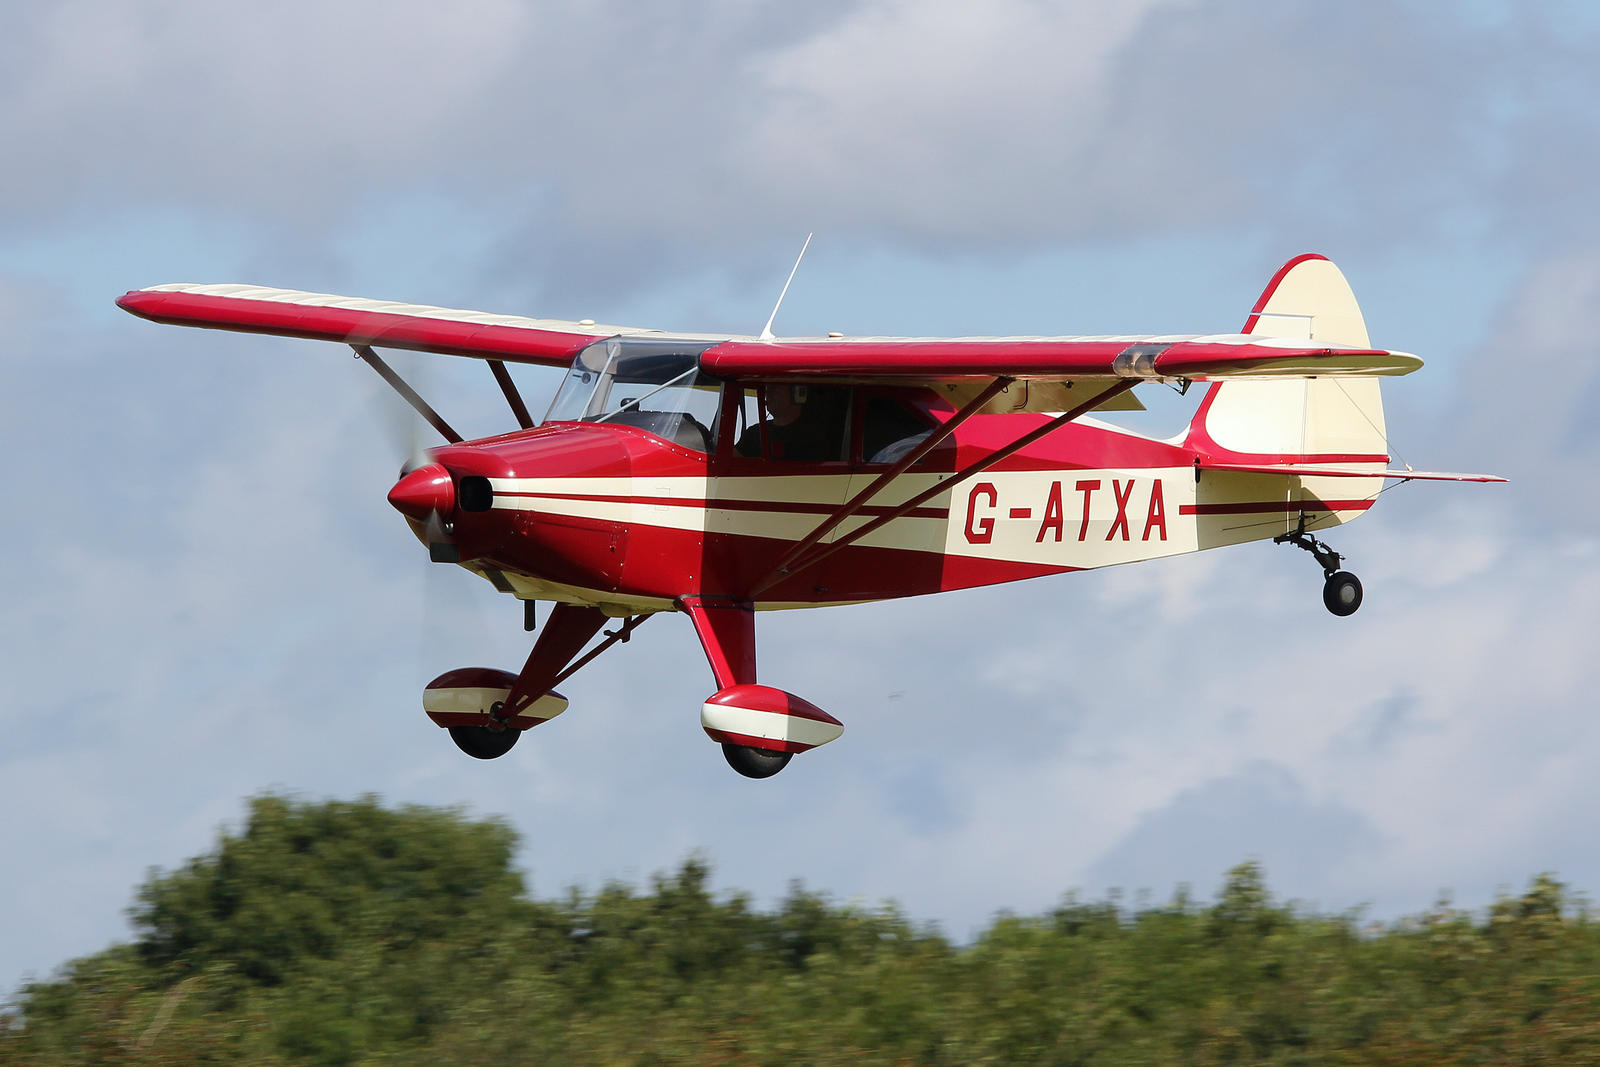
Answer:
(766, 331)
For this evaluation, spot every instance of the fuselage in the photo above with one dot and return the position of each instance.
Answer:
(624, 518)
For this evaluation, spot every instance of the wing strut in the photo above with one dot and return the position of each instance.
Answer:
(857, 502)
(509, 388)
(398, 384)
(818, 555)
(551, 662)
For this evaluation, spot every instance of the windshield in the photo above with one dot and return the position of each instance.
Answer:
(654, 385)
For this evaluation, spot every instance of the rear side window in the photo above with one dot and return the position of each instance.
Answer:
(890, 428)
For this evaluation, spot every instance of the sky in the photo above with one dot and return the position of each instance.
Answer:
(206, 595)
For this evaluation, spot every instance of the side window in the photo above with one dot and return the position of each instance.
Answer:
(889, 429)
(803, 423)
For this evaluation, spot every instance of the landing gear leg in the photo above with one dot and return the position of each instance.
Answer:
(1341, 590)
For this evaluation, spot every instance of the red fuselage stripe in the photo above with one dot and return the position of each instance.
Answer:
(797, 507)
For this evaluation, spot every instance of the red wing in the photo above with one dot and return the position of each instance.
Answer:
(323, 317)
(933, 360)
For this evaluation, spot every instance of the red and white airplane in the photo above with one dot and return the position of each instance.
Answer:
(719, 476)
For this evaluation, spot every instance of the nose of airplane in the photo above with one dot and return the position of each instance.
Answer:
(425, 491)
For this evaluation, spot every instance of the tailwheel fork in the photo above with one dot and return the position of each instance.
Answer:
(1341, 590)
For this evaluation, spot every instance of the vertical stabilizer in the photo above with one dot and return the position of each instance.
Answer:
(1325, 419)
(1330, 421)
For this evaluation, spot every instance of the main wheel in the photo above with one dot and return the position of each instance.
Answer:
(755, 762)
(1342, 593)
(480, 742)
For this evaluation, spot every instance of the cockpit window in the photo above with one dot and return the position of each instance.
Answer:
(654, 385)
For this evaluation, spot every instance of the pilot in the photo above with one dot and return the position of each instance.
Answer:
(798, 426)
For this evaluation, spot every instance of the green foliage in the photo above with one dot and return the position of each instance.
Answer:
(344, 933)
(307, 882)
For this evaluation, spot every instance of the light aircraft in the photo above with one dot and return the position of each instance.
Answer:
(719, 476)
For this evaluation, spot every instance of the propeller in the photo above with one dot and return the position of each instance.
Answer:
(429, 498)
(427, 494)
(452, 610)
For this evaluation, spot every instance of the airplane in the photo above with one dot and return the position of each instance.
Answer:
(719, 476)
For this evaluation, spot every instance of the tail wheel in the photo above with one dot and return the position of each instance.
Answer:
(755, 762)
(1342, 593)
(480, 742)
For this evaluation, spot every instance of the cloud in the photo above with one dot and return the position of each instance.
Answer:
(234, 608)
(941, 120)
(206, 594)
(241, 109)
(1545, 436)
(1261, 811)
(604, 141)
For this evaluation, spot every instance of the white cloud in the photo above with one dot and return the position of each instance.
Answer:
(1544, 434)
(607, 132)
(941, 119)
(1261, 811)
(245, 108)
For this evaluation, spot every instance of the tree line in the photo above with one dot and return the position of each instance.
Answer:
(346, 932)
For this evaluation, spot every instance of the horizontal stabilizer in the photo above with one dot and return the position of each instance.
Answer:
(1342, 472)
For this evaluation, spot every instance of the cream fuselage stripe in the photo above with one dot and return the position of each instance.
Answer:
(1070, 518)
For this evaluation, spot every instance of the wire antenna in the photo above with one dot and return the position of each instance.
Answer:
(766, 331)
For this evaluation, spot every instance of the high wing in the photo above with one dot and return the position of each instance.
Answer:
(939, 360)
(356, 321)
(901, 360)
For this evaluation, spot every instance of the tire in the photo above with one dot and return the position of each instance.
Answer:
(1342, 593)
(480, 742)
(755, 762)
